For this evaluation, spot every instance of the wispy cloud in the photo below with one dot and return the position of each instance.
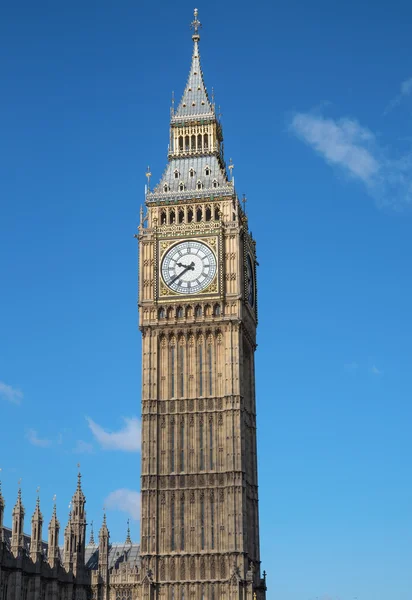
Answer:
(347, 145)
(35, 440)
(351, 367)
(127, 439)
(406, 90)
(375, 371)
(125, 500)
(83, 447)
(11, 394)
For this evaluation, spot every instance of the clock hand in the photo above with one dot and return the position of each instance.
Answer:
(191, 267)
(182, 265)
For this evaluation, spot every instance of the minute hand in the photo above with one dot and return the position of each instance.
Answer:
(191, 266)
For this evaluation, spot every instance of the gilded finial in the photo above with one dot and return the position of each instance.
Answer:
(231, 167)
(148, 175)
(196, 25)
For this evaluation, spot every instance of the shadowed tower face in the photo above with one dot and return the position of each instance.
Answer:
(198, 316)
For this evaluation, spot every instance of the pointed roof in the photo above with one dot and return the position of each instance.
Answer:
(54, 522)
(78, 494)
(195, 100)
(18, 507)
(37, 516)
(2, 503)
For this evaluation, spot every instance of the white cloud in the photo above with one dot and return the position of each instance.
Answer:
(375, 371)
(125, 500)
(11, 394)
(83, 447)
(127, 439)
(354, 149)
(344, 143)
(34, 439)
(406, 90)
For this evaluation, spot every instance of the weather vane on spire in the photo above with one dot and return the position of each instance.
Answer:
(196, 25)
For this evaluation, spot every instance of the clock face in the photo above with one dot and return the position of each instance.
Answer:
(250, 282)
(188, 267)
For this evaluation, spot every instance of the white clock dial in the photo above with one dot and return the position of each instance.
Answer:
(188, 267)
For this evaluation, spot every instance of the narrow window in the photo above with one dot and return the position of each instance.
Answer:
(199, 213)
(209, 358)
(181, 216)
(214, 183)
(193, 142)
(182, 371)
(211, 444)
(191, 172)
(202, 456)
(172, 523)
(179, 312)
(173, 593)
(199, 186)
(202, 522)
(199, 142)
(201, 370)
(182, 524)
(207, 171)
(187, 146)
(217, 213)
(208, 214)
(172, 446)
(163, 217)
(190, 215)
(176, 174)
(198, 311)
(172, 216)
(217, 310)
(180, 143)
(165, 187)
(172, 369)
(206, 141)
(182, 446)
(212, 521)
(181, 186)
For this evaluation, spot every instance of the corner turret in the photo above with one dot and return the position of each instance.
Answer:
(36, 533)
(17, 543)
(53, 548)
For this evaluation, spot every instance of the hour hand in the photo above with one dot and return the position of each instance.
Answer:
(192, 264)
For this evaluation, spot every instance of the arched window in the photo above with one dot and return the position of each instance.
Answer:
(198, 311)
(217, 213)
(199, 142)
(172, 216)
(176, 174)
(170, 313)
(198, 214)
(165, 187)
(215, 184)
(208, 213)
(207, 170)
(162, 313)
(163, 217)
(191, 172)
(193, 140)
(181, 215)
(179, 312)
(189, 214)
(187, 143)
(180, 142)
(216, 310)
(181, 186)
(205, 141)
(199, 184)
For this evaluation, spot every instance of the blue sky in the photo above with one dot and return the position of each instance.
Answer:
(317, 114)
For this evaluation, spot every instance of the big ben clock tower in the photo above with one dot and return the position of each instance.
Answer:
(198, 317)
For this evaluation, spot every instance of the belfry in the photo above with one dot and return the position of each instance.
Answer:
(198, 318)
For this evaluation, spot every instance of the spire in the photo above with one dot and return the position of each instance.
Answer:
(128, 538)
(91, 541)
(68, 542)
(195, 99)
(2, 505)
(36, 531)
(18, 524)
(104, 548)
(54, 529)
